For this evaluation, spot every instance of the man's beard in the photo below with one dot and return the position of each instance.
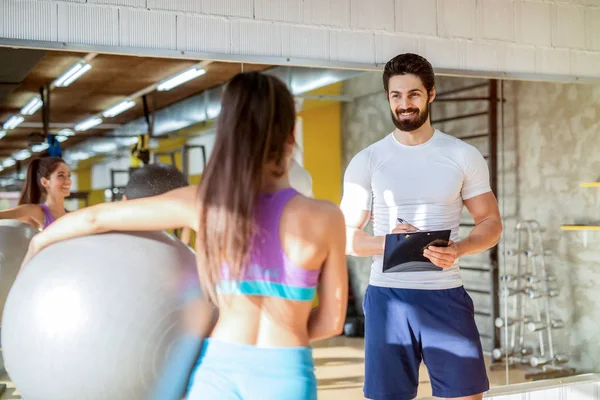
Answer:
(412, 124)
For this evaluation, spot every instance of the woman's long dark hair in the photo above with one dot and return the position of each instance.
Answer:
(257, 120)
(33, 191)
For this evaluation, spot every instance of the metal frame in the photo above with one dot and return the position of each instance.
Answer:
(300, 62)
(80, 196)
(492, 157)
(185, 149)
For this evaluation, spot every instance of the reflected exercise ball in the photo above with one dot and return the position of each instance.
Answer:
(106, 316)
(14, 242)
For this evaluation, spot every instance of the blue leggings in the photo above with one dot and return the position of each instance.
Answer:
(229, 371)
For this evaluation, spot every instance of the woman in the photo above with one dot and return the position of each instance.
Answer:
(47, 184)
(262, 249)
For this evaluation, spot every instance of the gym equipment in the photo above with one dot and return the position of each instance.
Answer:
(530, 288)
(105, 317)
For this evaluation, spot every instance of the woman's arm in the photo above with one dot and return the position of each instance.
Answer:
(327, 320)
(31, 214)
(175, 209)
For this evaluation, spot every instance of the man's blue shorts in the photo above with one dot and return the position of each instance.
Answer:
(405, 326)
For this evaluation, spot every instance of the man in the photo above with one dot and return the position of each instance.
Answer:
(421, 177)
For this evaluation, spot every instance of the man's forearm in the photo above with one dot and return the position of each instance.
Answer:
(485, 235)
(360, 244)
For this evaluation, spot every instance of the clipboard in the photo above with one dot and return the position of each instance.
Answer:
(403, 252)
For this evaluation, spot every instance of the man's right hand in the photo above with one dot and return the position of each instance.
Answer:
(403, 228)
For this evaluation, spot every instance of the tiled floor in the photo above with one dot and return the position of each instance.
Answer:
(340, 372)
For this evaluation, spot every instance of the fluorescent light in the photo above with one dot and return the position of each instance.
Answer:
(88, 123)
(126, 141)
(106, 147)
(2, 134)
(22, 155)
(36, 148)
(118, 109)
(32, 106)
(179, 79)
(72, 74)
(8, 162)
(80, 155)
(13, 122)
(307, 87)
(61, 138)
(66, 132)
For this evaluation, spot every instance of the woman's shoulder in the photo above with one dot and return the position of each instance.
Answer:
(318, 211)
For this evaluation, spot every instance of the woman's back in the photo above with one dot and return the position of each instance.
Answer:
(270, 305)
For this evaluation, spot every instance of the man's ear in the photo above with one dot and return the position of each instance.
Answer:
(432, 95)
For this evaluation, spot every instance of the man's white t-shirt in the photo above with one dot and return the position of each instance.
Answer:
(424, 185)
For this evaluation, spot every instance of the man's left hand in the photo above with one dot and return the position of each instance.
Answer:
(443, 257)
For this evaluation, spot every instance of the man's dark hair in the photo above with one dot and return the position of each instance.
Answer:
(152, 180)
(409, 63)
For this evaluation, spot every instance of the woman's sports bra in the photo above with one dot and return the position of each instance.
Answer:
(270, 272)
(48, 217)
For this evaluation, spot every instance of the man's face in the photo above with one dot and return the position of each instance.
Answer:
(409, 102)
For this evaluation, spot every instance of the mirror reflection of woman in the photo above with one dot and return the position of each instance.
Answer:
(42, 201)
(264, 250)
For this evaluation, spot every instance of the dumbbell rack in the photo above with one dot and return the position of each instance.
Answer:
(530, 289)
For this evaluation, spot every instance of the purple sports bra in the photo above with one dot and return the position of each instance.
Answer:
(271, 272)
(48, 218)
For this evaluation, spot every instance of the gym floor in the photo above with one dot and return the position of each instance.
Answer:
(340, 372)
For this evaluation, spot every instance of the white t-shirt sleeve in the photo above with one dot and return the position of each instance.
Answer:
(477, 174)
(357, 193)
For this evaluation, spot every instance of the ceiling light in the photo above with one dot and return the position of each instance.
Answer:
(106, 147)
(36, 148)
(61, 138)
(88, 123)
(307, 87)
(126, 141)
(32, 106)
(1, 168)
(22, 155)
(66, 132)
(72, 74)
(179, 79)
(8, 162)
(13, 122)
(80, 155)
(2, 134)
(118, 108)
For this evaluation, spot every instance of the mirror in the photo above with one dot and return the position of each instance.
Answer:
(533, 294)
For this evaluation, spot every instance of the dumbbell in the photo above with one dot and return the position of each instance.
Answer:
(539, 325)
(501, 322)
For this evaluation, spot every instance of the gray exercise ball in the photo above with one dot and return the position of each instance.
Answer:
(14, 242)
(106, 316)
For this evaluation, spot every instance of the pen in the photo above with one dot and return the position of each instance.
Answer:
(402, 221)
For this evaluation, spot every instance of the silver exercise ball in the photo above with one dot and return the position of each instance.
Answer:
(106, 316)
(14, 242)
